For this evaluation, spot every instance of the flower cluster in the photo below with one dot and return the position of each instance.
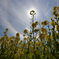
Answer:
(39, 43)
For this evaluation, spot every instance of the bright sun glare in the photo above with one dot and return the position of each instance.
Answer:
(28, 11)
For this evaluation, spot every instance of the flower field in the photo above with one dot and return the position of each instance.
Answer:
(41, 42)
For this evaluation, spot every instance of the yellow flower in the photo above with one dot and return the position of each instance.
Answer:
(53, 23)
(57, 27)
(51, 18)
(24, 35)
(6, 29)
(42, 36)
(45, 22)
(17, 35)
(12, 37)
(56, 11)
(36, 22)
(42, 23)
(30, 32)
(25, 38)
(32, 12)
(55, 8)
(34, 25)
(25, 31)
(44, 30)
(36, 30)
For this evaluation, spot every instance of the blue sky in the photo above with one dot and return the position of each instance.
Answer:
(14, 13)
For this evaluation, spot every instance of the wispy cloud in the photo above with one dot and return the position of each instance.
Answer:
(13, 13)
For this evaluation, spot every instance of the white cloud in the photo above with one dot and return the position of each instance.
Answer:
(13, 13)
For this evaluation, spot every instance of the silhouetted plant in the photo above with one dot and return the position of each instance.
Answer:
(39, 43)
